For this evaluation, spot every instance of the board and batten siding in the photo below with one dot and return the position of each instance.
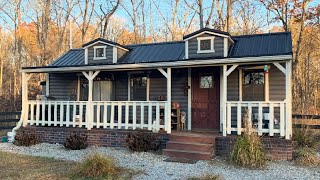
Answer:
(120, 53)
(218, 47)
(63, 86)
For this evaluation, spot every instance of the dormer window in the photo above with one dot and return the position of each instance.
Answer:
(100, 52)
(205, 44)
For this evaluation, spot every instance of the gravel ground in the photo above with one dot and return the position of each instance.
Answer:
(154, 166)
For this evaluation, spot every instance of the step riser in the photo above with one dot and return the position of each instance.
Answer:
(190, 147)
(188, 139)
(185, 155)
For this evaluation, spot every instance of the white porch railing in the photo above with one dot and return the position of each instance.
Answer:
(266, 117)
(99, 114)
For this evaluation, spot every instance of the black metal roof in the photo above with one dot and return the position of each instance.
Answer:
(206, 29)
(244, 46)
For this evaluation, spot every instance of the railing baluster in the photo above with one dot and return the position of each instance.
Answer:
(105, 115)
(167, 126)
(112, 116)
(74, 118)
(49, 113)
(282, 119)
(61, 113)
(127, 116)
(271, 117)
(98, 115)
(55, 116)
(119, 115)
(157, 117)
(149, 116)
(38, 113)
(134, 115)
(142, 115)
(43, 113)
(32, 113)
(81, 114)
(228, 118)
(68, 114)
(260, 116)
(239, 128)
(250, 114)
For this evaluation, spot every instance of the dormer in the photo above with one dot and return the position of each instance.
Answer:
(102, 51)
(206, 43)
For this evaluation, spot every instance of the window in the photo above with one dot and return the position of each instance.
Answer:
(138, 88)
(253, 88)
(206, 82)
(206, 44)
(100, 52)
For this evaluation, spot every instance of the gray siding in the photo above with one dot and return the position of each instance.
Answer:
(63, 86)
(91, 55)
(233, 86)
(193, 47)
(277, 83)
(121, 86)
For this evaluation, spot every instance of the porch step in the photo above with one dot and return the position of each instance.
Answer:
(192, 138)
(184, 154)
(189, 146)
(192, 146)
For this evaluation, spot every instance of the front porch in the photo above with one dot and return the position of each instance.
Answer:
(271, 116)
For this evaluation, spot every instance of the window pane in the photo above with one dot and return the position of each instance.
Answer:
(100, 52)
(205, 44)
(253, 86)
(206, 82)
(138, 88)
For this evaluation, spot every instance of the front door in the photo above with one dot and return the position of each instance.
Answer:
(205, 98)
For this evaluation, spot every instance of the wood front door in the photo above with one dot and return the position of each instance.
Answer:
(205, 98)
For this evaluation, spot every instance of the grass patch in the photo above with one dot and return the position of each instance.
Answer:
(206, 177)
(305, 137)
(306, 157)
(16, 167)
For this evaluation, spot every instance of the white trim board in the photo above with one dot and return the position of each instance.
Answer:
(177, 64)
(208, 32)
(102, 42)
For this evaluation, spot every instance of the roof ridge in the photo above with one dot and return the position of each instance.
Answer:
(156, 43)
(262, 34)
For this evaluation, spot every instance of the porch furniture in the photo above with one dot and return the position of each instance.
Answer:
(175, 117)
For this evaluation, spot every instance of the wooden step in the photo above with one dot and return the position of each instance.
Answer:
(192, 138)
(190, 146)
(194, 155)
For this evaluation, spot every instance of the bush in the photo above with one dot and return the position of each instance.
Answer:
(304, 137)
(76, 141)
(206, 177)
(96, 166)
(143, 141)
(24, 138)
(248, 150)
(306, 157)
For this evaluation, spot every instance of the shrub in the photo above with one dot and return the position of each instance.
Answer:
(143, 141)
(306, 157)
(206, 177)
(96, 166)
(304, 137)
(248, 150)
(24, 138)
(76, 141)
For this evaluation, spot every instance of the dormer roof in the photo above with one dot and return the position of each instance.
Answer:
(208, 31)
(103, 41)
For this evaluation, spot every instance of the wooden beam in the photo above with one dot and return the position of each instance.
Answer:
(233, 67)
(169, 100)
(288, 130)
(86, 75)
(280, 67)
(165, 74)
(95, 74)
(189, 99)
(224, 99)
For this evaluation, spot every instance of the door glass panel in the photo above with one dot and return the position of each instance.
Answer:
(206, 82)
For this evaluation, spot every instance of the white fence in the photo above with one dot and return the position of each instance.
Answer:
(266, 117)
(100, 114)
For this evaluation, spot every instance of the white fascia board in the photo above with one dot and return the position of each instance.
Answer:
(176, 64)
(208, 32)
(105, 44)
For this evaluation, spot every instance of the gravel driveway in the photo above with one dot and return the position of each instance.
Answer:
(154, 166)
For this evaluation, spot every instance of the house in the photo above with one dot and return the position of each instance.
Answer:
(210, 75)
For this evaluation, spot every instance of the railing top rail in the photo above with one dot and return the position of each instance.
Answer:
(255, 102)
(97, 101)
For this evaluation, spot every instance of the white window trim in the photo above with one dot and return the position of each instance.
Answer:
(266, 82)
(211, 38)
(104, 52)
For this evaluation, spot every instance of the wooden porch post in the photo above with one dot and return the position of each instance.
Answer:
(189, 99)
(288, 100)
(89, 107)
(224, 99)
(24, 93)
(169, 100)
